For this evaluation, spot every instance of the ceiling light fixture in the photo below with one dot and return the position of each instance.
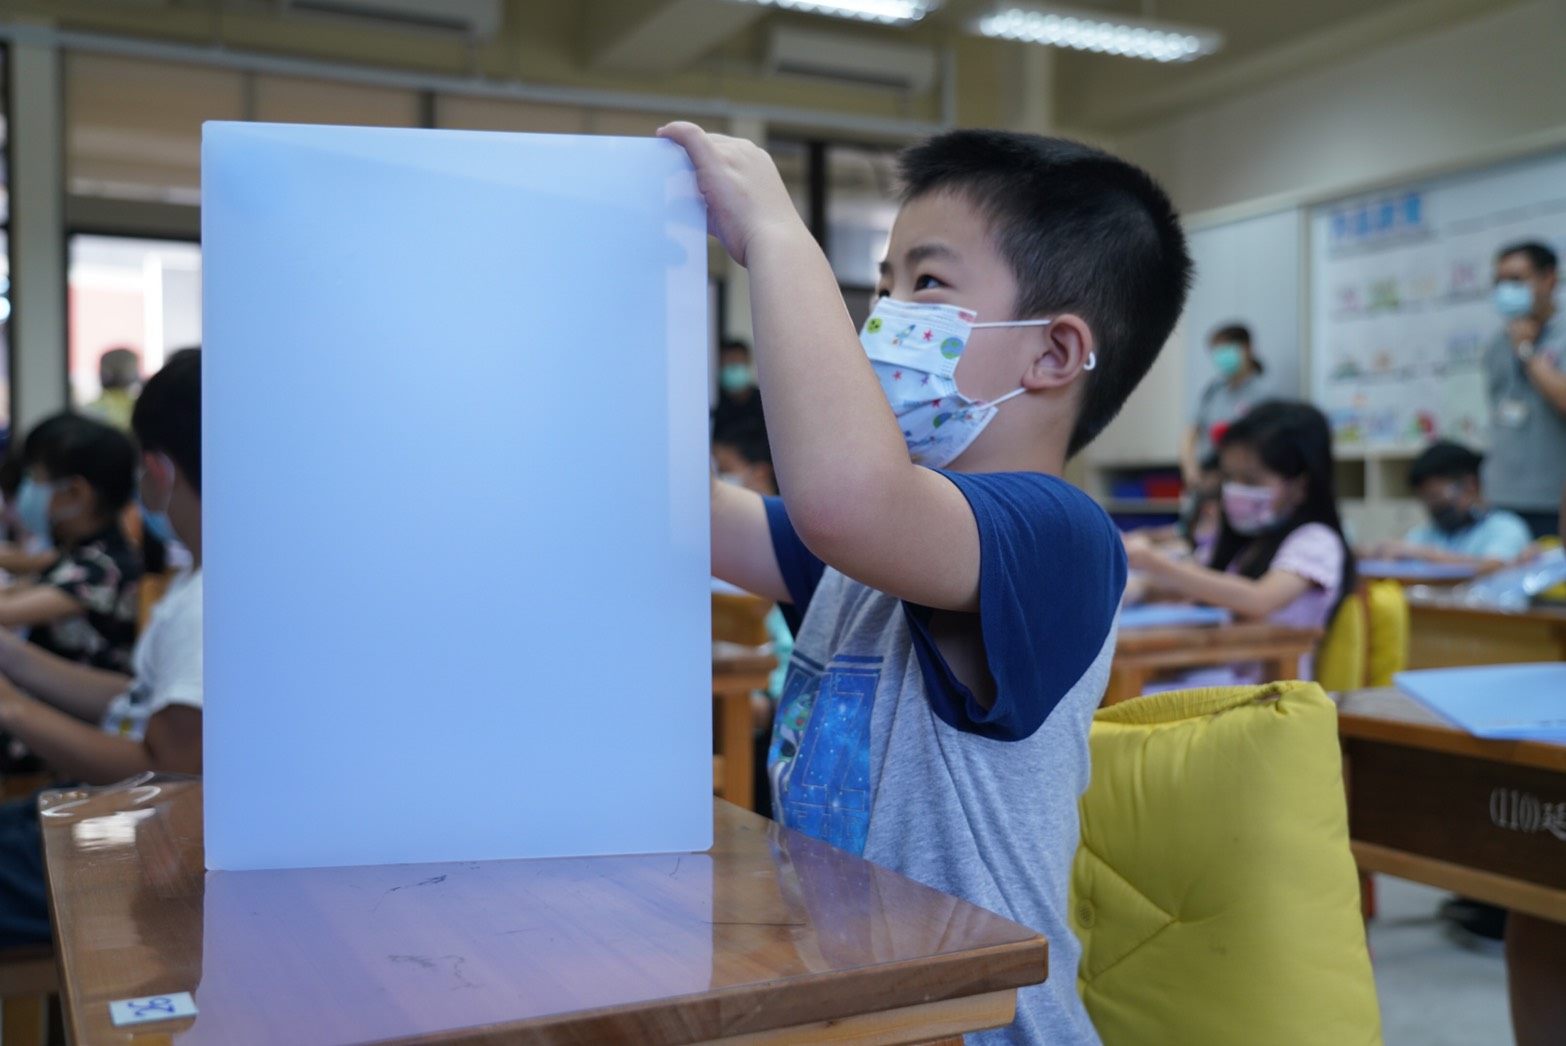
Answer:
(885, 12)
(1099, 31)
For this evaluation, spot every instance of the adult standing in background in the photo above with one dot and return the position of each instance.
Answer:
(1234, 390)
(739, 401)
(119, 372)
(1526, 387)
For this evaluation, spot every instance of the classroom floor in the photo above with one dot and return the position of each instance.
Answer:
(1435, 989)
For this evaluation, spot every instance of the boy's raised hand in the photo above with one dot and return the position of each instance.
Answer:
(745, 195)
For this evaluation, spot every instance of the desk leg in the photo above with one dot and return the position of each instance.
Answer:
(1535, 971)
(739, 754)
(1125, 682)
(1277, 668)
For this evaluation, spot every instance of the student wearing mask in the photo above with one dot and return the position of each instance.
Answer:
(1463, 529)
(1526, 385)
(1280, 554)
(739, 403)
(98, 726)
(79, 476)
(1237, 387)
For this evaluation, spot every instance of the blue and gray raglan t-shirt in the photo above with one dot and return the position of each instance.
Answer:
(879, 749)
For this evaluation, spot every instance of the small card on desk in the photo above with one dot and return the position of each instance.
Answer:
(152, 1008)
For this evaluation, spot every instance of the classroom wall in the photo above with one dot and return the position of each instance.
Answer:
(1449, 98)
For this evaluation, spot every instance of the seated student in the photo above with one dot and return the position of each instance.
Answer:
(80, 476)
(22, 553)
(1463, 529)
(150, 720)
(958, 598)
(1280, 554)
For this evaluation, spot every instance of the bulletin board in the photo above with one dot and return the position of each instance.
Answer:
(1400, 301)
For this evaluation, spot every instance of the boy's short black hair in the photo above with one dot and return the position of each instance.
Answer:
(167, 418)
(67, 445)
(1444, 459)
(734, 345)
(1084, 232)
(1540, 257)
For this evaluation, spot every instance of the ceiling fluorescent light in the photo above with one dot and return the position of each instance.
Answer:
(1098, 31)
(885, 12)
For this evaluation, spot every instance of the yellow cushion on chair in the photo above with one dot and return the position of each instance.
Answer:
(1214, 892)
(1340, 663)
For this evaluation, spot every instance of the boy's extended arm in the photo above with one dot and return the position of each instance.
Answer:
(854, 495)
(742, 543)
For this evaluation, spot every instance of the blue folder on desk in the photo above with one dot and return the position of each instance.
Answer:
(1415, 570)
(1502, 702)
(1171, 615)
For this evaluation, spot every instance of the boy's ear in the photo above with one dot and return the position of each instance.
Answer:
(1064, 350)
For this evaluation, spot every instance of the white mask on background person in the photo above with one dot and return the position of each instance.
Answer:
(914, 348)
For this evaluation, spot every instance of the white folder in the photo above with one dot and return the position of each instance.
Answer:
(455, 497)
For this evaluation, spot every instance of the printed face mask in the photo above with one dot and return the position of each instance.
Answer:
(914, 348)
(1250, 510)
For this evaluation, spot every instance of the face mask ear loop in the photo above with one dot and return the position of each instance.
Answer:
(1015, 323)
(997, 401)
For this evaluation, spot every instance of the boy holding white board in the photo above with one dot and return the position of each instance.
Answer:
(958, 597)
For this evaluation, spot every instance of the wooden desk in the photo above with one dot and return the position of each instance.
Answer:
(1484, 819)
(1442, 634)
(1433, 803)
(1140, 653)
(765, 938)
(737, 672)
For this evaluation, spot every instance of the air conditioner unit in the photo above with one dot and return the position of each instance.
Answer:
(851, 59)
(479, 19)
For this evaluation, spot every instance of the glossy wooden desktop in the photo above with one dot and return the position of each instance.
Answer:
(1444, 634)
(1142, 653)
(768, 937)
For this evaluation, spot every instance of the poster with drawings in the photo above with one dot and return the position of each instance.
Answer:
(1400, 299)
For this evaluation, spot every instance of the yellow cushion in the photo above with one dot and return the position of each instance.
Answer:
(1557, 593)
(1214, 892)
(1388, 627)
(1340, 663)
(1367, 641)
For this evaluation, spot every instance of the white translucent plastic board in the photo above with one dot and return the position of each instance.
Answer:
(455, 497)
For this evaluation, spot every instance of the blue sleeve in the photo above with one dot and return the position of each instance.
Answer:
(1052, 570)
(800, 568)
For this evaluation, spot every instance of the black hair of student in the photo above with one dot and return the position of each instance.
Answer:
(1444, 459)
(1540, 257)
(1209, 462)
(734, 345)
(749, 442)
(1292, 439)
(41, 435)
(167, 418)
(1083, 232)
(1241, 333)
(68, 445)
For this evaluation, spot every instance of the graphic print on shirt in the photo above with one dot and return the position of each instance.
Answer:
(819, 762)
